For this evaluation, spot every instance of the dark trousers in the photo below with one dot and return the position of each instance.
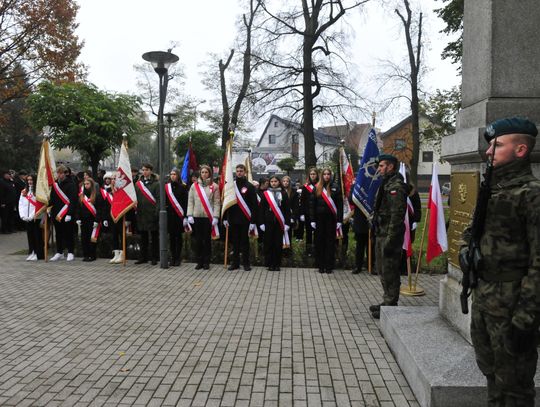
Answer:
(88, 248)
(325, 242)
(34, 233)
(175, 244)
(7, 217)
(273, 245)
(65, 233)
(362, 247)
(309, 232)
(240, 243)
(299, 231)
(115, 230)
(154, 248)
(202, 229)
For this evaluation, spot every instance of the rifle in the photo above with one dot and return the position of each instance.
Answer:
(471, 260)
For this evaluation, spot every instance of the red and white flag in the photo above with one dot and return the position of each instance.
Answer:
(347, 175)
(437, 239)
(407, 243)
(45, 177)
(124, 197)
(227, 180)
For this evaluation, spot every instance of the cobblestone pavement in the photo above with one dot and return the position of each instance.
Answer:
(77, 334)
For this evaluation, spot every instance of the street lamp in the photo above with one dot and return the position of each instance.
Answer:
(161, 61)
(195, 114)
(169, 123)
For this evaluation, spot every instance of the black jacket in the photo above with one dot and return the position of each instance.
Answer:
(266, 215)
(174, 222)
(319, 209)
(70, 189)
(234, 214)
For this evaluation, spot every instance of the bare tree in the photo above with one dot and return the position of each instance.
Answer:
(414, 52)
(293, 83)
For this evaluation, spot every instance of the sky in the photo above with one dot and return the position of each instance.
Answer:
(117, 32)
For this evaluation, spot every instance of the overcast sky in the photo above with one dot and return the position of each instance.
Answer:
(117, 32)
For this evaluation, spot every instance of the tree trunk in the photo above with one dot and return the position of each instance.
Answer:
(309, 138)
(94, 164)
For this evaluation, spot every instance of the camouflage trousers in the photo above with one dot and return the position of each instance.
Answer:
(388, 266)
(510, 378)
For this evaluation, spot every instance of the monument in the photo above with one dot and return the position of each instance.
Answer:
(500, 79)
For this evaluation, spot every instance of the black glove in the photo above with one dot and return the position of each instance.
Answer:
(520, 341)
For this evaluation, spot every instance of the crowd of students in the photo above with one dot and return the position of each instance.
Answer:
(274, 209)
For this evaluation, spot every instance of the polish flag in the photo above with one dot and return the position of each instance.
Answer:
(124, 196)
(407, 243)
(437, 239)
(45, 177)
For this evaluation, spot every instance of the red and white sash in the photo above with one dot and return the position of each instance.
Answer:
(309, 187)
(31, 199)
(106, 195)
(64, 199)
(206, 206)
(330, 202)
(95, 233)
(89, 205)
(146, 192)
(241, 203)
(279, 215)
(173, 201)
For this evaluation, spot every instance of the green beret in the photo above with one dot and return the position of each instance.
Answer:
(388, 157)
(511, 125)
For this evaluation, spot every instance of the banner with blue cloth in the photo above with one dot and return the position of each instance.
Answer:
(368, 179)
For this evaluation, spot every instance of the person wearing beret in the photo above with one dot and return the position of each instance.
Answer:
(506, 302)
(388, 216)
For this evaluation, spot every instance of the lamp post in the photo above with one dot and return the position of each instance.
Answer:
(195, 114)
(169, 123)
(161, 61)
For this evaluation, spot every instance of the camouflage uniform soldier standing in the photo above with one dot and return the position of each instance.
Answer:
(388, 217)
(506, 303)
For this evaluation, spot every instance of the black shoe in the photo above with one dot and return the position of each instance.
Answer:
(154, 262)
(198, 266)
(91, 259)
(321, 271)
(373, 308)
(329, 271)
(277, 269)
(247, 267)
(178, 263)
(270, 268)
(206, 266)
(356, 271)
(376, 314)
(233, 267)
(86, 259)
(141, 261)
(171, 263)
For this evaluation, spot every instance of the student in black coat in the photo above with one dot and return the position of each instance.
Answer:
(241, 224)
(294, 203)
(325, 219)
(9, 198)
(175, 215)
(89, 217)
(304, 213)
(272, 226)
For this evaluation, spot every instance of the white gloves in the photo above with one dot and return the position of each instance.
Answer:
(79, 222)
(106, 223)
(191, 220)
(414, 226)
(262, 227)
(252, 227)
(338, 225)
(302, 218)
(214, 221)
(185, 222)
(313, 225)
(287, 227)
(128, 222)
(67, 218)
(299, 191)
(95, 225)
(226, 223)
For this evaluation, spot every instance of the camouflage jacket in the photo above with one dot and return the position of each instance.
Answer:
(390, 207)
(510, 245)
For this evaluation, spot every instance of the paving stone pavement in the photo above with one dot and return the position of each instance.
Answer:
(78, 334)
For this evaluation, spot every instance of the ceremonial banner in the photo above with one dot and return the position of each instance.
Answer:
(228, 192)
(124, 197)
(368, 179)
(45, 177)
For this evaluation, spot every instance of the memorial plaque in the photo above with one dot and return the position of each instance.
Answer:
(465, 186)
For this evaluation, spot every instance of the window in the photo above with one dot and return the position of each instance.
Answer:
(271, 139)
(427, 156)
(400, 144)
(275, 124)
(295, 138)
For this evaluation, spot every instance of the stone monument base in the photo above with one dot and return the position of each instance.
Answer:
(435, 359)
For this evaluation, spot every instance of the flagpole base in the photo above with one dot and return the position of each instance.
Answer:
(411, 291)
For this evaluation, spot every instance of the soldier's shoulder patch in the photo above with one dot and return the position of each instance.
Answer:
(393, 192)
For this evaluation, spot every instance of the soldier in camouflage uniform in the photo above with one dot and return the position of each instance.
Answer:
(506, 303)
(388, 219)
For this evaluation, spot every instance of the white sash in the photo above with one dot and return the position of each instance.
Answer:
(330, 202)
(91, 208)
(206, 206)
(63, 197)
(279, 215)
(146, 192)
(241, 203)
(174, 202)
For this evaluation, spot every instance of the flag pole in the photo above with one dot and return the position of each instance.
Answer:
(226, 246)
(46, 236)
(420, 253)
(370, 237)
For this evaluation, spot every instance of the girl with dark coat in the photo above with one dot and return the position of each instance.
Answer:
(294, 202)
(326, 217)
(303, 210)
(177, 196)
(274, 221)
(89, 218)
